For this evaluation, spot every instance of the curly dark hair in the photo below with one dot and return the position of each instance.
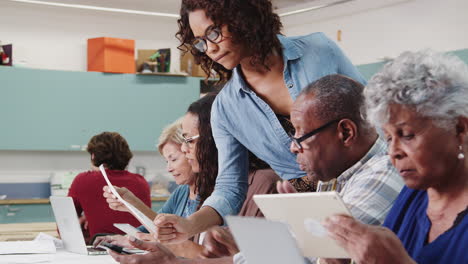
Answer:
(207, 153)
(252, 23)
(110, 149)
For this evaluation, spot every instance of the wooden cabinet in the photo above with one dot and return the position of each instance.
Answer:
(59, 110)
(26, 231)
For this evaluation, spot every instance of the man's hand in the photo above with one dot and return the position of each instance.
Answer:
(285, 187)
(366, 243)
(172, 229)
(157, 253)
(219, 242)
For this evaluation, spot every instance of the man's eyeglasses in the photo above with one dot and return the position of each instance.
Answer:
(189, 141)
(297, 141)
(212, 34)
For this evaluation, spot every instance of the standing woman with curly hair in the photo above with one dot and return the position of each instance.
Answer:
(264, 72)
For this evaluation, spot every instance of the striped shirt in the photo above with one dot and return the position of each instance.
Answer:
(369, 187)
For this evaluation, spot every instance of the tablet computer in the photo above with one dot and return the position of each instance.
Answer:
(304, 213)
(264, 241)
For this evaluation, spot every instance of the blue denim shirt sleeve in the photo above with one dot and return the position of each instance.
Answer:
(232, 181)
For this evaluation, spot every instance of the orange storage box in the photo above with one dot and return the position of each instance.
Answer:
(111, 55)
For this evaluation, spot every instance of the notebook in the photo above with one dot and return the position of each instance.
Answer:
(69, 227)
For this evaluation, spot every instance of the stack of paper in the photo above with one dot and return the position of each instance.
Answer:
(27, 247)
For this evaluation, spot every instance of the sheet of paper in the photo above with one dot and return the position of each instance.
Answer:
(144, 220)
(27, 247)
(128, 229)
(43, 236)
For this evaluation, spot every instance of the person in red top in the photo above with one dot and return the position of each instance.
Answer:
(110, 149)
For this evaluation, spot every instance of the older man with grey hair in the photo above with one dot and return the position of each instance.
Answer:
(336, 146)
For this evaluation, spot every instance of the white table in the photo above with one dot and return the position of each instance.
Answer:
(61, 257)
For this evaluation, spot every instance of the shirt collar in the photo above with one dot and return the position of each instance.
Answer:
(290, 52)
(379, 148)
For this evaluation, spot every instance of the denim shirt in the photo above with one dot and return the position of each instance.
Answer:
(241, 120)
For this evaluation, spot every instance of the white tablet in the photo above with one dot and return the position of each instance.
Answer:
(128, 229)
(304, 212)
(264, 241)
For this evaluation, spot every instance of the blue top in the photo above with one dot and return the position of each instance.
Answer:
(240, 119)
(178, 204)
(408, 219)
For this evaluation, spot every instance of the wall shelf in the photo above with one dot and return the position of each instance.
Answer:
(164, 74)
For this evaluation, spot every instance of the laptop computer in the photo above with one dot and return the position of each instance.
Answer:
(304, 213)
(69, 227)
(264, 241)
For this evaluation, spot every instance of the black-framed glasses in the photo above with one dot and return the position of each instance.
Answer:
(213, 34)
(189, 141)
(297, 141)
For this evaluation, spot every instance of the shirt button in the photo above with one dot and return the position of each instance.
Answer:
(290, 85)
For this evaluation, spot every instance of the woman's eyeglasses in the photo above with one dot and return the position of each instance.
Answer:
(212, 34)
(297, 141)
(190, 140)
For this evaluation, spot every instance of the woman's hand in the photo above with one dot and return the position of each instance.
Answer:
(114, 203)
(285, 187)
(114, 239)
(219, 242)
(145, 237)
(83, 223)
(172, 229)
(157, 253)
(366, 243)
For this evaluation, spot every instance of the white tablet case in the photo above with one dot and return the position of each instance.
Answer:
(263, 241)
(298, 209)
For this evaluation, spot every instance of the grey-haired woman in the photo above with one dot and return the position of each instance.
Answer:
(420, 100)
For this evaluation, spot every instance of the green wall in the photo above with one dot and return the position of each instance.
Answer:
(62, 110)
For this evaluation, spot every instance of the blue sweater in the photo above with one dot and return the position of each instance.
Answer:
(408, 219)
(177, 204)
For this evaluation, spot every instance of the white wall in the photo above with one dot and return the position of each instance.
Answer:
(56, 37)
(368, 35)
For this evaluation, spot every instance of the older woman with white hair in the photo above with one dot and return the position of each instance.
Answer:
(420, 100)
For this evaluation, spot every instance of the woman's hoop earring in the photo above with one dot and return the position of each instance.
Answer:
(460, 155)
